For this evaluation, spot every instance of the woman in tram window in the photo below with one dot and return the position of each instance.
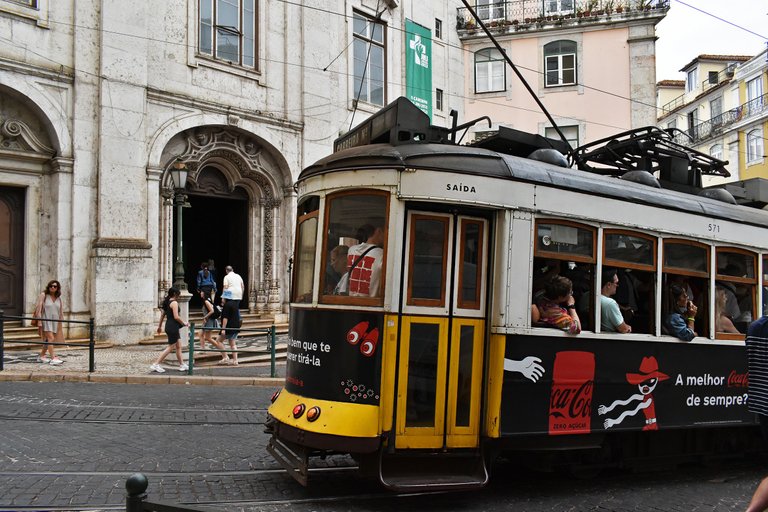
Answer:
(681, 318)
(557, 308)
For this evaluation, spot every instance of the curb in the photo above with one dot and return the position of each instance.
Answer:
(190, 380)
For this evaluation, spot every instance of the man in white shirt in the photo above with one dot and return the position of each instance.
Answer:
(365, 274)
(234, 283)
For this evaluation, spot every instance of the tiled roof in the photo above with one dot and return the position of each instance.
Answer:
(722, 58)
(670, 83)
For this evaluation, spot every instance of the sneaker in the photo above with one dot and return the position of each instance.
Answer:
(183, 368)
(43, 359)
(56, 361)
(157, 368)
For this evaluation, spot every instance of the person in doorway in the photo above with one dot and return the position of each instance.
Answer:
(364, 263)
(50, 309)
(233, 284)
(230, 325)
(172, 325)
(611, 319)
(206, 282)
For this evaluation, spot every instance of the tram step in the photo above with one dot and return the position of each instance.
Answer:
(433, 471)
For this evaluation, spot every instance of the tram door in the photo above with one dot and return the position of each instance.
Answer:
(440, 362)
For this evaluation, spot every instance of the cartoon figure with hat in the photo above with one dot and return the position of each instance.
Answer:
(645, 381)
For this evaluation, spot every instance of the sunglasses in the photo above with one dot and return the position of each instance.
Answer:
(53, 286)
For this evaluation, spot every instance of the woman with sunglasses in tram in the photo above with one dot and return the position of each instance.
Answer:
(50, 310)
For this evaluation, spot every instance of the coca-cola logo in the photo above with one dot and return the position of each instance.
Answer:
(577, 403)
(738, 380)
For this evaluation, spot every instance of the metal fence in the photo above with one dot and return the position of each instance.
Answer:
(91, 343)
(247, 335)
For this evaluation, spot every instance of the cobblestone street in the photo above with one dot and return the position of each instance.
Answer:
(72, 446)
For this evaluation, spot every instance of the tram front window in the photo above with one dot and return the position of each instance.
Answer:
(354, 248)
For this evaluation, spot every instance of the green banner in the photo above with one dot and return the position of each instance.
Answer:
(418, 66)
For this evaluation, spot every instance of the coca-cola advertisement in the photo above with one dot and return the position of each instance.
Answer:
(570, 402)
(564, 386)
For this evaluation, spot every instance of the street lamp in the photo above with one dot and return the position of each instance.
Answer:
(179, 177)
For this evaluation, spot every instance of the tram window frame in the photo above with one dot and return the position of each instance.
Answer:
(587, 316)
(765, 285)
(702, 324)
(412, 300)
(330, 298)
(308, 209)
(736, 281)
(631, 316)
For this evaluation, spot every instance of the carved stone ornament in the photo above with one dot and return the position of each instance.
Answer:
(17, 136)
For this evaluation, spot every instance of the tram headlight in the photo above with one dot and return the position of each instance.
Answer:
(275, 395)
(313, 413)
(298, 410)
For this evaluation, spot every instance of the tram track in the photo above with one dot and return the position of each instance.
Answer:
(129, 422)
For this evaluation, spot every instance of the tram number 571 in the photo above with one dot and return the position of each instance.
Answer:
(713, 227)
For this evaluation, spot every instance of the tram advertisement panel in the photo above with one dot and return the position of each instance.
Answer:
(568, 386)
(335, 355)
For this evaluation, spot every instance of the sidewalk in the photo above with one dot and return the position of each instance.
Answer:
(130, 364)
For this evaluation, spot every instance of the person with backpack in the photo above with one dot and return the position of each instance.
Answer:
(211, 314)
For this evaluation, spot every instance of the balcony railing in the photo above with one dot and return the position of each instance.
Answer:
(531, 14)
(706, 85)
(718, 124)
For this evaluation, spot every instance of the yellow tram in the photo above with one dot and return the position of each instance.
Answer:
(412, 345)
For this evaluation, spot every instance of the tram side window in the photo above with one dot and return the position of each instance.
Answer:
(735, 292)
(354, 247)
(304, 252)
(685, 297)
(633, 255)
(567, 250)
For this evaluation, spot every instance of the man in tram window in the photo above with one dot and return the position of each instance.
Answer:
(557, 308)
(364, 262)
(611, 319)
(681, 318)
(336, 268)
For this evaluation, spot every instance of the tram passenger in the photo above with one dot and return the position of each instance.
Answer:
(557, 308)
(722, 322)
(337, 266)
(611, 319)
(364, 263)
(682, 315)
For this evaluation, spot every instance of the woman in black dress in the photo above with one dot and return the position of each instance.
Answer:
(172, 325)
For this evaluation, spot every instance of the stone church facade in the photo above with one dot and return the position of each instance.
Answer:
(99, 98)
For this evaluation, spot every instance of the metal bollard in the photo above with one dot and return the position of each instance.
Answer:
(91, 348)
(2, 338)
(191, 354)
(272, 351)
(136, 485)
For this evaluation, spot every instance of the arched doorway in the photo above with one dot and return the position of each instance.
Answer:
(234, 212)
(12, 250)
(215, 230)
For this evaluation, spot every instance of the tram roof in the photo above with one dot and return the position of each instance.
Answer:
(482, 162)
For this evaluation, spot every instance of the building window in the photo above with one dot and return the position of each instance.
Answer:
(558, 7)
(693, 122)
(488, 10)
(26, 3)
(438, 28)
(571, 134)
(716, 151)
(693, 77)
(672, 124)
(754, 88)
(439, 99)
(560, 63)
(712, 77)
(368, 56)
(489, 71)
(228, 31)
(716, 108)
(755, 145)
